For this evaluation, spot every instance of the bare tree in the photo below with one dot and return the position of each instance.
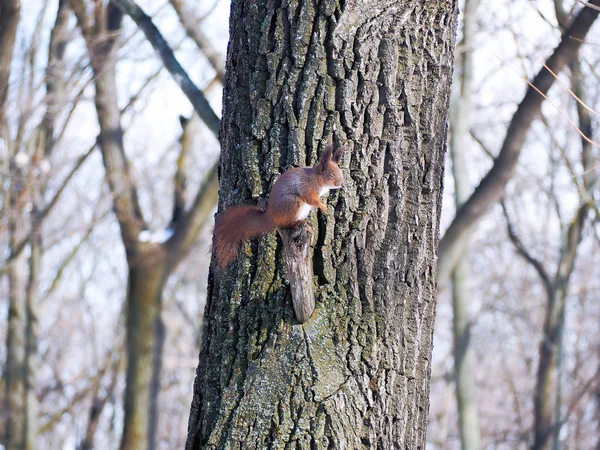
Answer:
(461, 298)
(150, 262)
(491, 187)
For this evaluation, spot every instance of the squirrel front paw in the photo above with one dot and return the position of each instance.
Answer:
(323, 208)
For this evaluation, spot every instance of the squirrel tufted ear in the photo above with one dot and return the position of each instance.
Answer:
(337, 154)
(325, 158)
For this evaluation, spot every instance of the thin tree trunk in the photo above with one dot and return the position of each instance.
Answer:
(16, 365)
(374, 76)
(9, 20)
(24, 276)
(597, 400)
(547, 417)
(461, 297)
(98, 404)
(19, 384)
(147, 276)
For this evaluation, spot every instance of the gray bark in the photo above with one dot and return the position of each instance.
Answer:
(146, 281)
(468, 416)
(374, 76)
(19, 383)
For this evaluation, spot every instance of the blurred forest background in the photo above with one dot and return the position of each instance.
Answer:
(521, 317)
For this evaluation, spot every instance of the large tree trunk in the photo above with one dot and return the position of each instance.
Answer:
(468, 417)
(374, 76)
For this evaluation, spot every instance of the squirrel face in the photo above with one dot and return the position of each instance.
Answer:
(328, 168)
(333, 176)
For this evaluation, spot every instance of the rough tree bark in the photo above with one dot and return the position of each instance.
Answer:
(374, 76)
(468, 417)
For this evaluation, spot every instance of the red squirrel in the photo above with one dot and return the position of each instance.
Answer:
(292, 197)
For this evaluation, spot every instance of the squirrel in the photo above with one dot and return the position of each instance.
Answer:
(292, 198)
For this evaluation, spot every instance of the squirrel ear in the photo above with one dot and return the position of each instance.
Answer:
(337, 155)
(324, 158)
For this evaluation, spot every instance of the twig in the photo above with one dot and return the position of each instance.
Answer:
(195, 95)
(589, 5)
(595, 144)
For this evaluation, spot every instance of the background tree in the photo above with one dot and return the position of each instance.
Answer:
(497, 312)
(59, 88)
(150, 259)
(462, 315)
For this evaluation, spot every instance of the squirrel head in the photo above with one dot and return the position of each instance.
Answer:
(328, 167)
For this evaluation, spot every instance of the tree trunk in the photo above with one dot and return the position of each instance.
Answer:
(375, 77)
(547, 404)
(16, 358)
(461, 297)
(147, 276)
(10, 11)
(21, 410)
(148, 269)
(22, 283)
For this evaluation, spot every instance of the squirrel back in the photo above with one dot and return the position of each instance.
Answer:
(235, 226)
(292, 197)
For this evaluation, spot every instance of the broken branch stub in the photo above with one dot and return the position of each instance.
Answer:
(299, 269)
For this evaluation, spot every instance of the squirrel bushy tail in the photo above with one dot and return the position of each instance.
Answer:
(235, 226)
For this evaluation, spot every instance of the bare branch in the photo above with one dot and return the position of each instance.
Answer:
(524, 253)
(194, 31)
(71, 256)
(23, 243)
(187, 229)
(589, 5)
(180, 180)
(195, 95)
(491, 187)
